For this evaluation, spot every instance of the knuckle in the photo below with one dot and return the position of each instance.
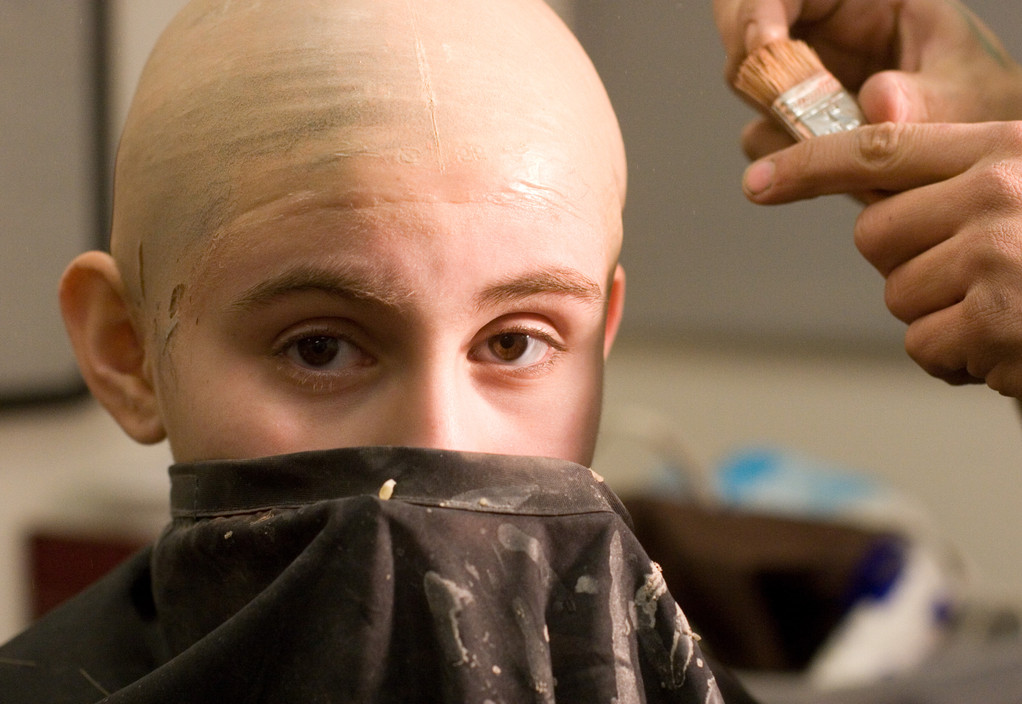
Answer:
(1001, 183)
(987, 310)
(988, 252)
(992, 338)
(879, 147)
(999, 252)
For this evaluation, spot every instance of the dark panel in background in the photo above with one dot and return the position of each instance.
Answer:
(52, 188)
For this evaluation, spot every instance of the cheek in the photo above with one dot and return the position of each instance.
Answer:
(214, 406)
(562, 421)
(586, 418)
(589, 403)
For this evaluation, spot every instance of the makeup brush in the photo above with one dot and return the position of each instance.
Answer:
(787, 78)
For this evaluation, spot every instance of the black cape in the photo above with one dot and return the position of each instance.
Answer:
(294, 579)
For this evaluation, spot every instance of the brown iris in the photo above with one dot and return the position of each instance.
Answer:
(509, 346)
(318, 351)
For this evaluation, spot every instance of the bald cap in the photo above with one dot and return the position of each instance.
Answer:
(308, 85)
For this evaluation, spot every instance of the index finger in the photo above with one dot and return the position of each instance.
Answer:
(888, 157)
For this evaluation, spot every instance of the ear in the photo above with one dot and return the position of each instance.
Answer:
(615, 309)
(108, 345)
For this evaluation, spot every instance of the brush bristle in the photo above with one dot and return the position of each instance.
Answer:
(775, 68)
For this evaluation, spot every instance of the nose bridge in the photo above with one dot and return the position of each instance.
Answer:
(435, 406)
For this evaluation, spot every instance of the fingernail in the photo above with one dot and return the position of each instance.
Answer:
(758, 178)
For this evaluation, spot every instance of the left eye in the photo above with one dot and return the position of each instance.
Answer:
(517, 348)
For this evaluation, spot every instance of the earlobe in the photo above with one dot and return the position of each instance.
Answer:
(615, 309)
(108, 345)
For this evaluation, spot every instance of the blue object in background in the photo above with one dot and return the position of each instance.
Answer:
(782, 481)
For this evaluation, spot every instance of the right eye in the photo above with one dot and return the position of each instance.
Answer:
(323, 353)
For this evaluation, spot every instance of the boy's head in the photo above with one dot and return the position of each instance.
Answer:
(359, 222)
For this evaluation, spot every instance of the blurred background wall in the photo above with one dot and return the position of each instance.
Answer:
(746, 326)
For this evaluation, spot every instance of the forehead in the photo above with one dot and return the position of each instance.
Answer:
(478, 219)
(460, 195)
(329, 173)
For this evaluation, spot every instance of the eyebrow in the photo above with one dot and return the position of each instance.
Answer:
(366, 286)
(360, 286)
(564, 282)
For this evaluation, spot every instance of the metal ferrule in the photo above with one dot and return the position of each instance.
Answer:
(817, 106)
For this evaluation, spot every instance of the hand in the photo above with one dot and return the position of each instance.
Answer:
(948, 242)
(908, 60)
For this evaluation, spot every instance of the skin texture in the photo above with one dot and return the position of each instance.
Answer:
(943, 197)
(359, 222)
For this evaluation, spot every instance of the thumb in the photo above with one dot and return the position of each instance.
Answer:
(895, 96)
